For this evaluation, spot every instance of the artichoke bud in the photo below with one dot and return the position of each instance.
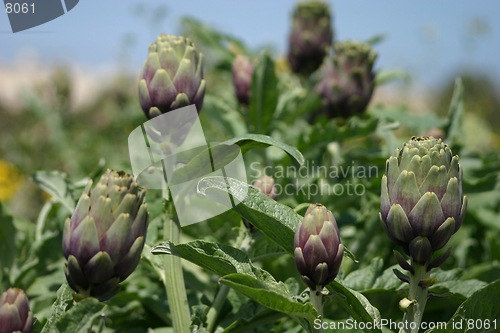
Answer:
(311, 36)
(318, 249)
(242, 70)
(172, 76)
(347, 80)
(104, 238)
(422, 204)
(266, 186)
(15, 313)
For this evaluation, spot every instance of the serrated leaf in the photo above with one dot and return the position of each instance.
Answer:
(218, 258)
(262, 318)
(272, 298)
(80, 317)
(264, 97)
(461, 289)
(363, 279)
(482, 305)
(56, 184)
(64, 297)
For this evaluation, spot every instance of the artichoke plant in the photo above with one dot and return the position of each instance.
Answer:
(172, 76)
(242, 70)
(347, 79)
(422, 204)
(311, 36)
(318, 249)
(15, 313)
(105, 236)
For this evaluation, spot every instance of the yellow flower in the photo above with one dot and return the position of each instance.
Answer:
(11, 179)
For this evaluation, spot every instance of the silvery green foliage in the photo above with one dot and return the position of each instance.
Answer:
(422, 204)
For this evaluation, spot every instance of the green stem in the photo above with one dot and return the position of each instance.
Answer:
(213, 313)
(316, 299)
(418, 294)
(174, 280)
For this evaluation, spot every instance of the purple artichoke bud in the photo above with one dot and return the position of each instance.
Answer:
(104, 238)
(347, 79)
(242, 77)
(422, 203)
(311, 36)
(266, 186)
(318, 249)
(172, 76)
(15, 313)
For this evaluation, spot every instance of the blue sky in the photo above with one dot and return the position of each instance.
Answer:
(433, 40)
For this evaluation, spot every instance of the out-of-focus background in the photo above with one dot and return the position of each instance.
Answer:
(68, 88)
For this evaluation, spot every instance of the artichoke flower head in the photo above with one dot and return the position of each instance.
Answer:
(422, 204)
(104, 238)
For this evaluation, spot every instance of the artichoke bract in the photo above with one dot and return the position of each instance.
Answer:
(172, 76)
(318, 249)
(347, 79)
(15, 313)
(242, 70)
(105, 236)
(422, 204)
(311, 36)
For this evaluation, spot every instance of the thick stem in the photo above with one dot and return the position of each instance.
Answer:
(174, 280)
(418, 294)
(316, 299)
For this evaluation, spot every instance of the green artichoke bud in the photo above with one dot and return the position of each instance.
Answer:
(347, 79)
(311, 36)
(242, 77)
(172, 76)
(266, 186)
(422, 204)
(318, 249)
(15, 313)
(105, 236)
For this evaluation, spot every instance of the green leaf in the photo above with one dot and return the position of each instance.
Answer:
(363, 279)
(222, 154)
(55, 183)
(252, 141)
(8, 248)
(385, 76)
(80, 317)
(356, 305)
(268, 296)
(461, 289)
(222, 116)
(262, 318)
(276, 221)
(262, 248)
(218, 258)
(264, 97)
(481, 307)
(453, 127)
(64, 297)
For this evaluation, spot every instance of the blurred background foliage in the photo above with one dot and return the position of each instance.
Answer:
(46, 130)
